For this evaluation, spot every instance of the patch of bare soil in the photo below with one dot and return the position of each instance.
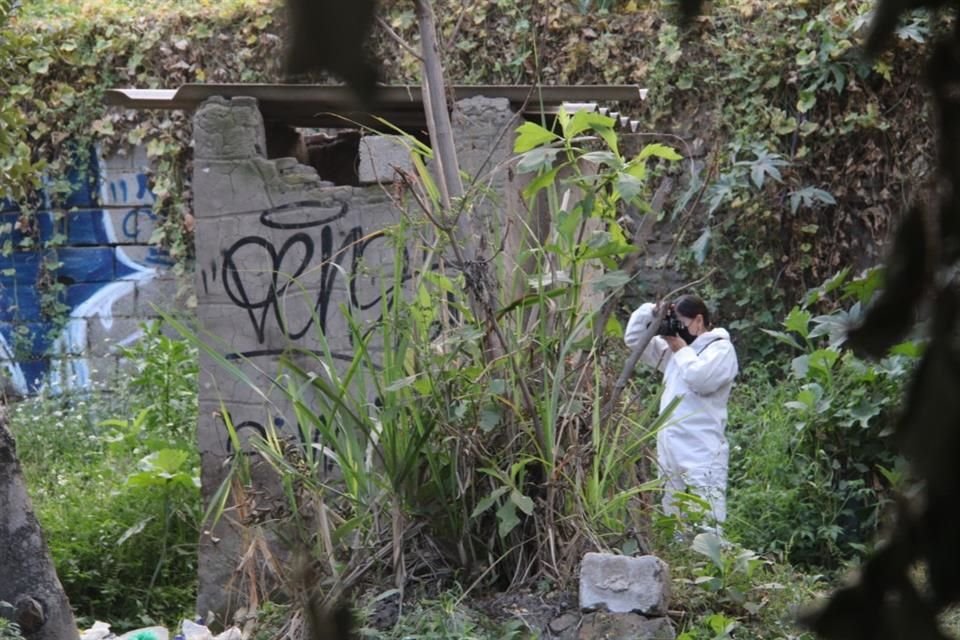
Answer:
(536, 610)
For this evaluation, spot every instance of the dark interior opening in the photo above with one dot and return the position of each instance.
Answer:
(334, 153)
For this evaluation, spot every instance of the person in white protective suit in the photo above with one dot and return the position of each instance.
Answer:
(699, 366)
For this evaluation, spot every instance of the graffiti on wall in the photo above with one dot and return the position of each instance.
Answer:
(95, 250)
(259, 274)
(304, 275)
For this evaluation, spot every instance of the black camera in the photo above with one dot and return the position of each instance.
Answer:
(671, 325)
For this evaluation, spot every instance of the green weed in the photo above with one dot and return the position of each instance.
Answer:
(117, 498)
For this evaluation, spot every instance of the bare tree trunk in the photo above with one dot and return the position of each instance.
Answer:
(28, 579)
(468, 246)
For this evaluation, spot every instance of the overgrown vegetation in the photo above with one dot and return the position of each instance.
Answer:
(776, 92)
(114, 481)
(456, 473)
(813, 465)
(485, 460)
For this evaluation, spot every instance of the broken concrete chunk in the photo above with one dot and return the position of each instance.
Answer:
(622, 584)
(228, 129)
(564, 622)
(381, 156)
(624, 626)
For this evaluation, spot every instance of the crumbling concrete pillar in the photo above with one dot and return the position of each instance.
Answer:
(279, 253)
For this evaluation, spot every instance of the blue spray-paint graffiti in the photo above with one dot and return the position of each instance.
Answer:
(96, 249)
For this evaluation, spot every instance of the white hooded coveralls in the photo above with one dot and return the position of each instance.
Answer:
(692, 450)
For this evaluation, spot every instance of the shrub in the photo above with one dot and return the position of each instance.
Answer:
(811, 466)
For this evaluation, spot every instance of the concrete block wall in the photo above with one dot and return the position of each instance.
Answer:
(280, 255)
(283, 259)
(98, 248)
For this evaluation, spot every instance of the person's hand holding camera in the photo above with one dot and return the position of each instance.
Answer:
(675, 343)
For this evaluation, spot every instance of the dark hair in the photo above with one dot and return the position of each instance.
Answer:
(690, 306)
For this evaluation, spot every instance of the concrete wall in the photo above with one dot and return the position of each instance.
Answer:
(97, 247)
(283, 259)
(279, 253)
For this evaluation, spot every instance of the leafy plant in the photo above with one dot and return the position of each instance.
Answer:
(9, 630)
(474, 441)
(730, 571)
(119, 513)
(715, 626)
(810, 463)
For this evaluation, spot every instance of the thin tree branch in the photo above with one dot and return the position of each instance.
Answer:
(440, 117)
(398, 39)
(456, 28)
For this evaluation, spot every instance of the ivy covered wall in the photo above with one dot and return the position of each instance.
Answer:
(808, 152)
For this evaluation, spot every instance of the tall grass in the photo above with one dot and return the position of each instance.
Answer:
(465, 442)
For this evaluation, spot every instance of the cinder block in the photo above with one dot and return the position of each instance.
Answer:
(132, 225)
(104, 334)
(623, 584)
(97, 298)
(156, 293)
(125, 159)
(228, 187)
(381, 157)
(86, 264)
(125, 189)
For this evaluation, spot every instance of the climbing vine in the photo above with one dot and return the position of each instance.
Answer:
(808, 142)
(802, 165)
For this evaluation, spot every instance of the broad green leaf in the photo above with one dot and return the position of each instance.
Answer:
(39, 66)
(636, 169)
(628, 186)
(804, 58)
(507, 515)
(524, 503)
(798, 321)
(611, 280)
(603, 157)
(806, 101)
(440, 280)
(540, 182)
(800, 366)
(165, 461)
(537, 159)
(530, 135)
(614, 328)
(490, 417)
(709, 545)
(910, 349)
(701, 245)
(658, 150)
(601, 244)
(785, 338)
(583, 120)
(862, 412)
(568, 222)
(864, 288)
(823, 360)
(610, 137)
(146, 479)
(488, 502)
(834, 325)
